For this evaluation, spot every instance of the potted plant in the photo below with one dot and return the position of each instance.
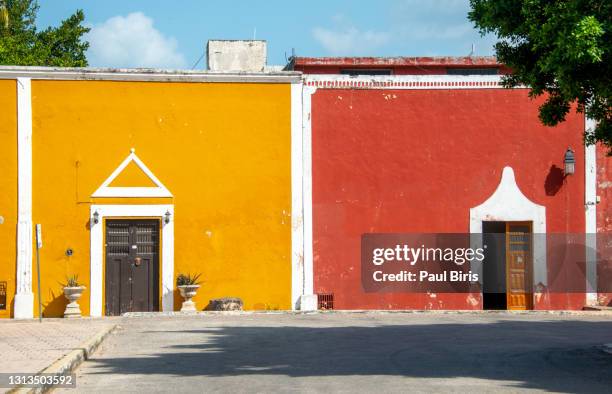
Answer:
(73, 291)
(188, 285)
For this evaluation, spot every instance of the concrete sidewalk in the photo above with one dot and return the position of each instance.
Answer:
(30, 346)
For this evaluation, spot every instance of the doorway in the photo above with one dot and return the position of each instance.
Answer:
(508, 265)
(132, 265)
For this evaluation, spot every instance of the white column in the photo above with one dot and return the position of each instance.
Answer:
(96, 250)
(308, 300)
(590, 201)
(167, 259)
(297, 197)
(24, 299)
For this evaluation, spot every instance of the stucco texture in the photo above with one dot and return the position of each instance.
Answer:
(416, 161)
(222, 150)
(8, 190)
(604, 226)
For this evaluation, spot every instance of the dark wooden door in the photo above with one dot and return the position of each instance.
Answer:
(519, 245)
(132, 266)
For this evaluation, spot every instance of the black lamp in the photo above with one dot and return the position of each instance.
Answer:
(570, 162)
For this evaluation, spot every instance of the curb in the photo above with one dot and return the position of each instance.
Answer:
(176, 314)
(69, 362)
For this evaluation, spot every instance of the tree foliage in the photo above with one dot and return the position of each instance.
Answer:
(559, 48)
(22, 44)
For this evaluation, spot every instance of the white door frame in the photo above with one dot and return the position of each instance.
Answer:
(97, 249)
(509, 204)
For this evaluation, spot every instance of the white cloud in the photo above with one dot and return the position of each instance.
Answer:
(430, 31)
(132, 41)
(350, 40)
(433, 6)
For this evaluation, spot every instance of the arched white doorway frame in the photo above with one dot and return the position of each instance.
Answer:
(509, 204)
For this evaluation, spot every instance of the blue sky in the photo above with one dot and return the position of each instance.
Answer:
(173, 34)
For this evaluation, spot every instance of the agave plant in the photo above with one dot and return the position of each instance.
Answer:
(72, 281)
(187, 279)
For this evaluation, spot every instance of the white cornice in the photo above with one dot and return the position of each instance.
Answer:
(338, 81)
(159, 75)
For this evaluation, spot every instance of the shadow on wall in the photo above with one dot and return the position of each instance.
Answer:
(178, 300)
(552, 355)
(55, 307)
(554, 180)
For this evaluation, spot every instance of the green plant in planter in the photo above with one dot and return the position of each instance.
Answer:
(188, 279)
(72, 281)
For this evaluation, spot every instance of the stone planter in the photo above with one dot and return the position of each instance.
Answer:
(188, 292)
(73, 294)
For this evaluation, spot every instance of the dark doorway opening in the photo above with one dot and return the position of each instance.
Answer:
(132, 266)
(494, 266)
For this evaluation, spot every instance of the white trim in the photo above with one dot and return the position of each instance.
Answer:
(590, 201)
(307, 277)
(160, 75)
(24, 298)
(401, 82)
(509, 204)
(297, 198)
(107, 191)
(97, 250)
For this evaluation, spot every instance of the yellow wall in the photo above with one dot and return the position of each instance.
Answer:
(223, 151)
(8, 189)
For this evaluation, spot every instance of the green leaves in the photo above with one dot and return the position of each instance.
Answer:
(560, 49)
(586, 38)
(21, 44)
(72, 281)
(188, 279)
(4, 16)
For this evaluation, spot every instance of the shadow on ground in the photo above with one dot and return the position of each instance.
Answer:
(561, 356)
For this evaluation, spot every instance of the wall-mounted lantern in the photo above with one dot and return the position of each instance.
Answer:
(570, 162)
(167, 216)
(96, 218)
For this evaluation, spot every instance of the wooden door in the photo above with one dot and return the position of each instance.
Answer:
(519, 247)
(132, 266)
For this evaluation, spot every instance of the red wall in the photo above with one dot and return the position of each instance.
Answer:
(604, 225)
(395, 70)
(604, 190)
(417, 161)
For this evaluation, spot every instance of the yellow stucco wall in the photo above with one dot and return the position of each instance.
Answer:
(8, 189)
(223, 151)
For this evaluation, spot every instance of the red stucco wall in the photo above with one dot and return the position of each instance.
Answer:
(604, 190)
(417, 161)
(604, 225)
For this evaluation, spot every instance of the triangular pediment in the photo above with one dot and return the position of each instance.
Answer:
(132, 176)
(136, 171)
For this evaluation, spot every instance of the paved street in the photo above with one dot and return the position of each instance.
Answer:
(30, 346)
(353, 352)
